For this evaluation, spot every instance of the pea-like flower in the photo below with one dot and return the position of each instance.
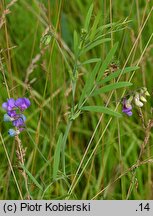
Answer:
(15, 115)
(19, 122)
(22, 103)
(9, 105)
(127, 107)
(137, 100)
(12, 113)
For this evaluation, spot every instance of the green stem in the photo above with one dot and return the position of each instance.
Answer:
(74, 80)
(64, 144)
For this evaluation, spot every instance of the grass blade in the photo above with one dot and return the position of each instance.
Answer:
(101, 109)
(57, 156)
(76, 42)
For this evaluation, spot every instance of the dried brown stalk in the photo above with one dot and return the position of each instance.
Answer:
(142, 118)
(20, 152)
(146, 139)
(5, 12)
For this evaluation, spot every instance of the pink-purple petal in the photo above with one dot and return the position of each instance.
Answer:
(12, 113)
(18, 122)
(4, 105)
(22, 103)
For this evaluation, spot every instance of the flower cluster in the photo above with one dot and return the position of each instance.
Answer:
(14, 109)
(137, 97)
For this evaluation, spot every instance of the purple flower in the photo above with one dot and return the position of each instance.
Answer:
(14, 109)
(12, 113)
(9, 105)
(22, 103)
(127, 108)
(18, 122)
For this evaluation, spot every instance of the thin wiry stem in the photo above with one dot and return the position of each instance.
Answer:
(131, 169)
(4, 77)
(144, 144)
(16, 182)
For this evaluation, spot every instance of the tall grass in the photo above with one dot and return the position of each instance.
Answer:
(61, 55)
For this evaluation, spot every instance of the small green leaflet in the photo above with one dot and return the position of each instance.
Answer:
(111, 87)
(101, 109)
(57, 156)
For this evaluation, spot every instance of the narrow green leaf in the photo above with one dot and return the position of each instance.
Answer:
(101, 109)
(113, 26)
(94, 44)
(76, 42)
(32, 177)
(117, 73)
(57, 156)
(111, 87)
(107, 61)
(88, 17)
(89, 83)
(91, 61)
(101, 28)
(94, 27)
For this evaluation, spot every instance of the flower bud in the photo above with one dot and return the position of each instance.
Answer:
(147, 93)
(7, 118)
(144, 91)
(143, 99)
(12, 132)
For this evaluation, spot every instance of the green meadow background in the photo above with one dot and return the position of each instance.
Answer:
(101, 151)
